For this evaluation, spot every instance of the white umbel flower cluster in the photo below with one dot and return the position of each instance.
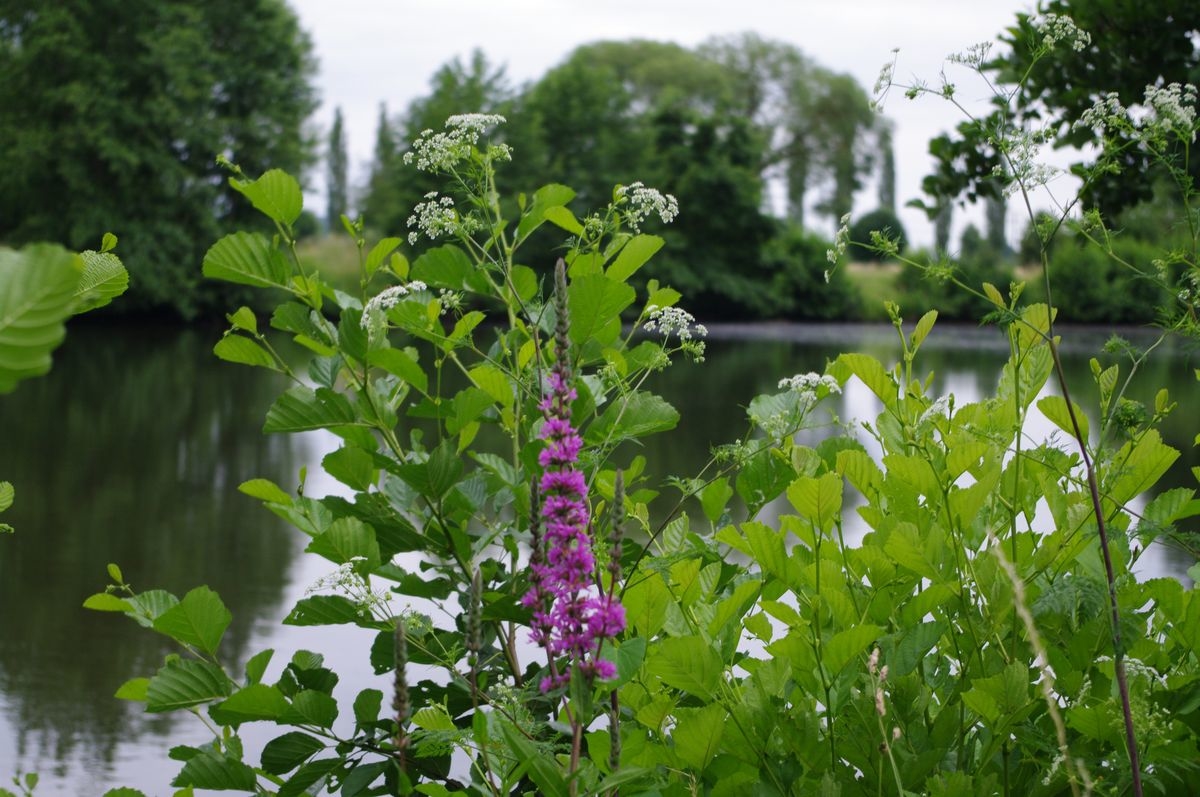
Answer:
(441, 152)
(638, 203)
(435, 216)
(1056, 29)
(373, 314)
(1165, 111)
(808, 385)
(673, 321)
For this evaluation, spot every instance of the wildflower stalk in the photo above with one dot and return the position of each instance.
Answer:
(401, 703)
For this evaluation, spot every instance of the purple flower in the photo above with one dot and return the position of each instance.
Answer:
(571, 615)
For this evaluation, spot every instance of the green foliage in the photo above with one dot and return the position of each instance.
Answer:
(798, 264)
(95, 142)
(337, 165)
(1093, 286)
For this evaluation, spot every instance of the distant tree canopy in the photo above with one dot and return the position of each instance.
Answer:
(713, 126)
(114, 111)
(1134, 44)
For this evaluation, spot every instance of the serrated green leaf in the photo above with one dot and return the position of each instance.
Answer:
(400, 363)
(715, 497)
(433, 718)
(284, 753)
(308, 775)
(242, 350)
(351, 466)
(311, 707)
(688, 663)
(104, 278)
(817, 499)
(7, 494)
(545, 198)
(635, 415)
(302, 409)
(1055, 410)
(872, 374)
(367, 706)
(199, 620)
(346, 539)
(255, 702)
(37, 293)
(247, 259)
(844, 646)
(184, 683)
(563, 219)
(217, 772)
(697, 733)
(107, 602)
(257, 666)
(275, 193)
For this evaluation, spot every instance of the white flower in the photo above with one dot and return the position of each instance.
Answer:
(435, 217)
(834, 254)
(440, 152)
(1056, 28)
(940, 408)
(1171, 109)
(380, 303)
(809, 385)
(680, 323)
(643, 202)
(973, 57)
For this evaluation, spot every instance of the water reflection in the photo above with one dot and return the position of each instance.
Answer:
(130, 452)
(131, 449)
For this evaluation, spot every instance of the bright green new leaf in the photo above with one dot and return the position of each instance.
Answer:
(256, 667)
(715, 497)
(819, 500)
(871, 373)
(922, 330)
(107, 602)
(433, 718)
(37, 293)
(347, 539)
(104, 278)
(546, 198)
(1055, 410)
(242, 350)
(276, 194)
(7, 494)
(595, 303)
(265, 490)
(563, 218)
(182, 683)
(633, 255)
(134, 689)
(1142, 464)
(247, 259)
(243, 318)
(379, 253)
(199, 620)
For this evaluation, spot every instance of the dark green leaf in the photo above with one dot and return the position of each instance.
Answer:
(216, 772)
(181, 684)
(595, 304)
(242, 350)
(199, 620)
(284, 753)
(249, 704)
(311, 707)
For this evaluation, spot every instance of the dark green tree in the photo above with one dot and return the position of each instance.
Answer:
(1134, 44)
(336, 174)
(887, 167)
(114, 111)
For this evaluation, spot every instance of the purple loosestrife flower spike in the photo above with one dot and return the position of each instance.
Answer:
(571, 616)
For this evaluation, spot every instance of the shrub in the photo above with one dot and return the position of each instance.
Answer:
(881, 220)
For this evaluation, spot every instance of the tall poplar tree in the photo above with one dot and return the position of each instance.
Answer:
(336, 173)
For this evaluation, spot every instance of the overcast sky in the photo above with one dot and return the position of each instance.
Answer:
(373, 51)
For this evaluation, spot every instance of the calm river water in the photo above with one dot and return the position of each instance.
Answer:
(131, 450)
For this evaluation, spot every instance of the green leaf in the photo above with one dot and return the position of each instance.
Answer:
(265, 490)
(199, 620)
(687, 663)
(216, 772)
(121, 792)
(633, 255)
(367, 705)
(843, 646)
(255, 702)
(311, 707)
(308, 775)
(545, 198)
(184, 683)
(134, 689)
(346, 539)
(379, 253)
(399, 362)
(542, 769)
(257, 666)
(635, 415)
(595, 303)
(697, 733)
(715, 497)
(284, 753)
(107, 602)
(243, 318)
(564, 219)
(301, 409)
(7, 494)
(351, 466)
(819, 500)
(923, 328)
(37, 293)
(871, 373)
(325, 610)
(433, 718)
(276, 194)
(1143, 463)
(902, 656)
(448, 267)
(103, 279)
(1055, 410)
(242, 350)
(247, 259)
